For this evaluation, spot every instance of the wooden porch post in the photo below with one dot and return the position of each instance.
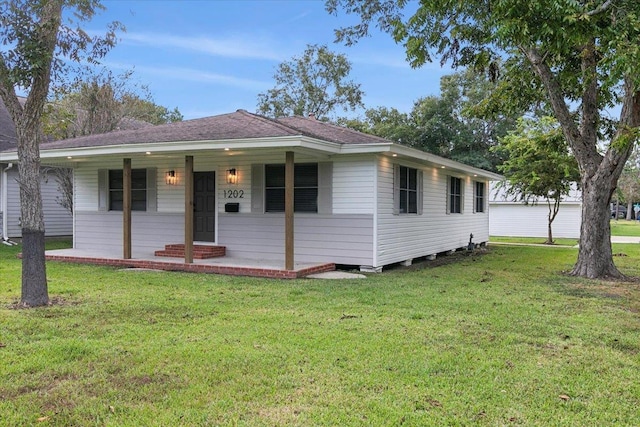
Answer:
(188, 209)
(126, 208)
(288, 211)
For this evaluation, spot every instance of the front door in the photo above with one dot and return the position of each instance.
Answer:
(204, 206)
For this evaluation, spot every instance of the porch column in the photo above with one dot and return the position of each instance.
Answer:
(288, 211)
(188, 209)
(126, 208)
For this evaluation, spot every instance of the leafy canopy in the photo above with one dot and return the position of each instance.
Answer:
(449, 125)
(103, 102)
(315, 83)
(538, 162)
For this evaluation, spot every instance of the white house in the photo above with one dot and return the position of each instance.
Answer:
(513, 218)
(58, 221)
(221, 182)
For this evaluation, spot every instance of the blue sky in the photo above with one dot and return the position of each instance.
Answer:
(211, 57)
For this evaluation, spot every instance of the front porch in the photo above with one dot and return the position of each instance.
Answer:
(220, 265)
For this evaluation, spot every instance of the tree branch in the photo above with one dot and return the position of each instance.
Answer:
(8, 92)
(582, 151)
(590, 113)
(602, 8)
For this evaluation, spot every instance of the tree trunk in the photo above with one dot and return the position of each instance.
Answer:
(553, 212)
(595, 258)
(34, 276)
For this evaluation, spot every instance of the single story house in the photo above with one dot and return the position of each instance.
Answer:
(510, 217)
(285, 189)
(58, 220)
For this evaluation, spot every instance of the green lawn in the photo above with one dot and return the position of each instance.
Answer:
(501, 338)
(622, 227)
(533, 240)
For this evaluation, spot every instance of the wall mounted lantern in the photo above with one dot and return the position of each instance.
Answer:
(232, 176)
(171, 178)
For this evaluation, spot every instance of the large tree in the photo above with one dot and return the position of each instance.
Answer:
(102, 102)
(39, 47)
(456, 124)
(316, 83)
(538, 165)
(579, 56)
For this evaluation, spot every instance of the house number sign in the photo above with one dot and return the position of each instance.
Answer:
(234, 194)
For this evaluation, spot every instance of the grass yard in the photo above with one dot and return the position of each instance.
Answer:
(495, 339)
(533, 240)
(622, 227)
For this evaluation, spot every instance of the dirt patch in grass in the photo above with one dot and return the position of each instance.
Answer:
(444, 258)
(53, 302)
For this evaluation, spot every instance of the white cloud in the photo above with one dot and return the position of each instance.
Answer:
(193, 75)
(230, 47)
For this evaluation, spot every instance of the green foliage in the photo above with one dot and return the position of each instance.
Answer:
(26, 57)
(315, 83)
(103, 102)
(538, 163)
(450, 125)
(493, 339)
(629, 183)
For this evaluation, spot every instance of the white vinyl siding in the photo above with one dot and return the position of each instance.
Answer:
(403, 237)
(57, 220)
(520, 220)
(353, 186)
(344, 237)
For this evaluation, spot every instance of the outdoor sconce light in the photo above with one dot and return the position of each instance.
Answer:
(171, 178)
(232, 176)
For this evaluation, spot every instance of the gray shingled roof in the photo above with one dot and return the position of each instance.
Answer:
(238, 125)
(329, 132)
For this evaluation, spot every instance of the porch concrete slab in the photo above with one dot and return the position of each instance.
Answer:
(222, 265)
(336, 275)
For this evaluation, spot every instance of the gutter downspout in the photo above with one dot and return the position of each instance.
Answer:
(3, 204)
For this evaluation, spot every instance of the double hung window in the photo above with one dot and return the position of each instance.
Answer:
(479, 196)
(305, 184)
(455, 195)
(138, 190)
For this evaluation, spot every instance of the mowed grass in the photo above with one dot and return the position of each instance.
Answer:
(622, 227)
(496, 338)
(533, 240)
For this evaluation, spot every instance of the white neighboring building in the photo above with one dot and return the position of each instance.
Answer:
(515, 219)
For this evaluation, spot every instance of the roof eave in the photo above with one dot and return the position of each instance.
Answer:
(394, 149)
(184, 146)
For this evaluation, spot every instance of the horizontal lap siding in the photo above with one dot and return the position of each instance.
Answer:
(57, 220)
(13, 205)
(403, 237)
(353, 186)
(517, 219)
(346, 237)
(343, 239)
(150, 231)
